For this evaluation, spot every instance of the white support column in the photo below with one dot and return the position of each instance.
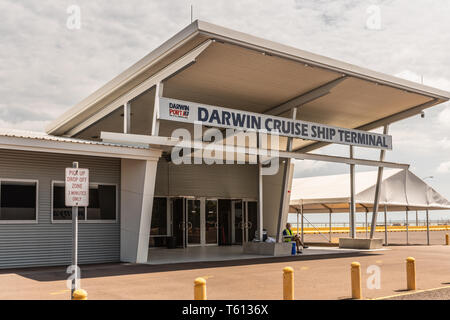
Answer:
(377, 189)
(284, 200)
(127, 117)
(298, 224)
(260, 193)
(136, 194)
(417, 218)
(260, 202)
(367, 224)
(155, 120)
(428, 229)
(385, 227)
(303, 233)
(407, 227)
(330, 225)
(352, 210)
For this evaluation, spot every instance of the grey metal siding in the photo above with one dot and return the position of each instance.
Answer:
(47, 243)
(226, 181)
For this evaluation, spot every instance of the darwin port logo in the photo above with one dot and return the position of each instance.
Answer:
(178, 110)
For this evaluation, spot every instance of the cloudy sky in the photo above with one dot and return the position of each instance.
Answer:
(46, 66)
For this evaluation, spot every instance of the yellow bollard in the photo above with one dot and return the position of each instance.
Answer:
(199, 289)
(356, 280)
(411, 273)
(79, 294)
(288, 283)
(447, 241)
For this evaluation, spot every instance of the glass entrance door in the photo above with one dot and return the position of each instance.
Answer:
(245, 220)
(203, 222)
(177, 207)
(251, 216)
(238, 221)
(193, 222)
(211, 222)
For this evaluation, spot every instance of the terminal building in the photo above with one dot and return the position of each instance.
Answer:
(140, 197)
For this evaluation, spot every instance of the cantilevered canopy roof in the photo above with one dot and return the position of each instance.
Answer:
(236, 70)
(400, 190)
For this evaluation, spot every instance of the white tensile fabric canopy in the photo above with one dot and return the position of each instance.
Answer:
(400, 190)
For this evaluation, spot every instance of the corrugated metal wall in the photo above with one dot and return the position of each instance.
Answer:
(226, 181)
(47, 243)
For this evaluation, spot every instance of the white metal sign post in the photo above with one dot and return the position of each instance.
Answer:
(76, 195)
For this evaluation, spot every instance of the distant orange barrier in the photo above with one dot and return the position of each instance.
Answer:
(310, 230)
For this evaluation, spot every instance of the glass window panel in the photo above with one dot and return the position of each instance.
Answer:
(18, 200)
(102, 203)
(60, 211)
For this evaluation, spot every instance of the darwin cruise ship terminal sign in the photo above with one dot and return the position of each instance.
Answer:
(184, 111)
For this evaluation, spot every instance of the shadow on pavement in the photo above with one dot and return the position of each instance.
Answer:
(118, 269)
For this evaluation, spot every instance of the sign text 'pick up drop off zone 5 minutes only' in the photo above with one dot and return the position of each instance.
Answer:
(77, 187)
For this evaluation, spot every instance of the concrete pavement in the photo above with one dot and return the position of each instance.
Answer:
(324, 278)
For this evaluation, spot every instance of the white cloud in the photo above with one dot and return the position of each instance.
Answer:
(444, 116)
(49, 68)
(305, 168)
(444, 167)
(46, 68)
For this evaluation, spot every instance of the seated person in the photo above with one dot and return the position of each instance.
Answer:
(288, 236)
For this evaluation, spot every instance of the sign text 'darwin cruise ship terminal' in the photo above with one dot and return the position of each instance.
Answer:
(185, 111)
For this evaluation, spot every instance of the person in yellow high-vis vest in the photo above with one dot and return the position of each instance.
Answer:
(289, 236)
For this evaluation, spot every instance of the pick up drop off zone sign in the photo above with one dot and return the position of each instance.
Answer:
(77, 187)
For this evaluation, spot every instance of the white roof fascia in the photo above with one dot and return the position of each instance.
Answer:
(64, 147)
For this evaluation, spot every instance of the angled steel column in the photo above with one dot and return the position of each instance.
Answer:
(377, 189)
(285, 182)
(352, 210)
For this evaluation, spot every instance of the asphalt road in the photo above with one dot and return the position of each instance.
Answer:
(318, 278)
(436, 294)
